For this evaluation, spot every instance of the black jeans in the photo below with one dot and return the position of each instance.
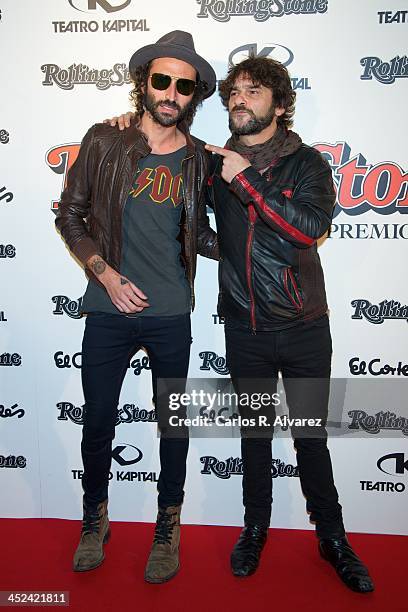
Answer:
(301, 352)
(108, 343)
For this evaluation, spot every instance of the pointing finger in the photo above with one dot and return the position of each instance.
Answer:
(218, 150)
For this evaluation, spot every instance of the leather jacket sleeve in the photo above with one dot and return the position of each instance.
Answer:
(74, 207)
(207, 242)
(301, 216)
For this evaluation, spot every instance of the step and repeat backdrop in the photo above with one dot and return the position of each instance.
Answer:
(63, 67)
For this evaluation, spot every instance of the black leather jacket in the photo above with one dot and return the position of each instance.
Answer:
(89, 216)
(270, 274)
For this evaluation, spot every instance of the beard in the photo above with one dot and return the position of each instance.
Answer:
(160, 116)
(254, 125)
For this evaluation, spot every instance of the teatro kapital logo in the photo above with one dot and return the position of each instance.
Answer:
(260, 10)
(95, 7)
(393, 464)
(278, 52)
(233, 467)
(392, 17)
(378, 313)
(125, 455)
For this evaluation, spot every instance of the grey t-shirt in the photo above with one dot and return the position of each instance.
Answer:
(150, 249)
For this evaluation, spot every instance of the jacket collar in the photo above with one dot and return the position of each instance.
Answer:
(134, 138)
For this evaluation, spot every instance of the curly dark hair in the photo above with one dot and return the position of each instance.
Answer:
(269, 73)
(139, 79)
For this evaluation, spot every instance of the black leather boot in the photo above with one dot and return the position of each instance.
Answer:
(350, 569)
(247, 551)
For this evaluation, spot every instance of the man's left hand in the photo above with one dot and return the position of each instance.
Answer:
(233, 163)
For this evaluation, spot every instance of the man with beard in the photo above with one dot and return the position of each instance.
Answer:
(273, 198)
(133, 214)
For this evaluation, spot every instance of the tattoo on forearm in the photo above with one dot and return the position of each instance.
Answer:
(98, 266)
(123, 281)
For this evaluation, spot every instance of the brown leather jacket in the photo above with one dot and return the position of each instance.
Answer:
(90, 213)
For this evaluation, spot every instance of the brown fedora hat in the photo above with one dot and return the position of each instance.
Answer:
(180, 45)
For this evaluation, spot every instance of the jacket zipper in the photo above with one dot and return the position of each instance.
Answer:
(299, 303)
(252, 215)
(190, 282)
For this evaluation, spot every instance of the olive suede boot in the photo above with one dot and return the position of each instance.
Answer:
(95, 533)
(163, 562)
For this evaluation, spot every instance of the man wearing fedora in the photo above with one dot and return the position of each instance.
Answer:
(273, 199)
(133, 214)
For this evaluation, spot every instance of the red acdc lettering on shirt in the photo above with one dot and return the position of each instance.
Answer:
(163, 185)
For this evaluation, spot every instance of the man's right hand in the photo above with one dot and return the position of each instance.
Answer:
(123, 121)
(122, 292)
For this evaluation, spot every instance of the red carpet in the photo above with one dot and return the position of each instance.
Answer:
(36, 555)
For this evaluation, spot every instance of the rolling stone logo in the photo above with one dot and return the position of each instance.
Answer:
(4, 137)
(361, 187)
(5, 196)
(378, 313)
(60, 159)
(374, 424)
(260, 10)
(81, 74)
(7, 251)
(129, 413)
(384, 72)
(393, 464)
(64, 305)
(13, 411)
(64, 360)
(10, 359)
(13, 461)
(233, 467)
(214, 362)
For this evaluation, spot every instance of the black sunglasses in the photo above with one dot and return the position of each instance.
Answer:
(185, 87)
